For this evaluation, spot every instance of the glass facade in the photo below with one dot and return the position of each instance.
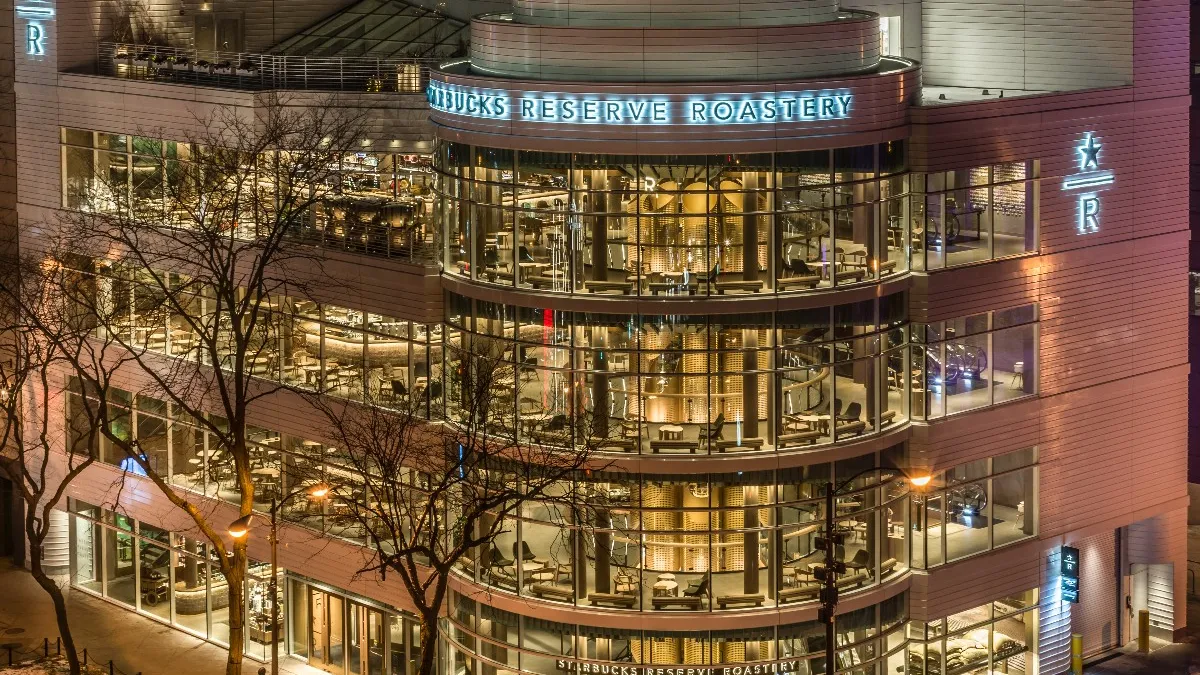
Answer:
(172, 578)
(975, 507)
(721, 542)
(674, 225)
(167, 576)
(974, 214)
(973, 362)
(688, 384)
(483, 639)
(373, 203)
(997, 637)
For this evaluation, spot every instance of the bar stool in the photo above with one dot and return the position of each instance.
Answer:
(1018, 378)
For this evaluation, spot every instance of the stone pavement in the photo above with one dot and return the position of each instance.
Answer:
(135, 643)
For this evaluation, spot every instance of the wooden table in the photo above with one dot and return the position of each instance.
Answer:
(670, 432)
(816, 422)
(665, 587)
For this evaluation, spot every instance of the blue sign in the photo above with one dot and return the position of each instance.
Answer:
(639, 110)
(1090, 177)
(1069, 574)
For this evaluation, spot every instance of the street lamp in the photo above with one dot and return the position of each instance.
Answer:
(241, 528)
(831, 568)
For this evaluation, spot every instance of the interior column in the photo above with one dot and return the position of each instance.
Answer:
(750, 539)
(749, 383)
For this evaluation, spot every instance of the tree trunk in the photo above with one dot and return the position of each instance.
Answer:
(60, 605)
(237, 607)
(429, 642)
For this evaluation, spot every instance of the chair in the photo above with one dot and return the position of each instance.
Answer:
(398, 389)
(697, 589)
(557, 423)
(852, 414)
(523, 254)
(860, 561)
(714, 431)
(525, 552)
(435, 389)
(497, 558)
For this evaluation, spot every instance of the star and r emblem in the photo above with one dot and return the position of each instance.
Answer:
(1089, 153)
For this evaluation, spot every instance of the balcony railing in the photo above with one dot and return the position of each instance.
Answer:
(241, 70)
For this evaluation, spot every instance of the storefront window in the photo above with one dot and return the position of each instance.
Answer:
(480, 639)
(688, 384)
(975, 214)
(674, 225)
(996, 637)
(974, 508)
(377, 204)
(724, 542)
(973, 362)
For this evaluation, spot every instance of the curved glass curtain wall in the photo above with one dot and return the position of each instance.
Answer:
(483, 639)
(677, 384)
(674, 225)
(700, 543)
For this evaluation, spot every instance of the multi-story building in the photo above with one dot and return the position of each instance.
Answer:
(933, 249)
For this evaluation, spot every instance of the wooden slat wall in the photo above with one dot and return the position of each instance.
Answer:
(1163, 539)
(1041, 45)
(673, 12)
(953, 588)
(663, 54)
(1112, 450)
(1096, 615)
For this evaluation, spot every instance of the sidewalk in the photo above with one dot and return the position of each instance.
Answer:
(135, 643)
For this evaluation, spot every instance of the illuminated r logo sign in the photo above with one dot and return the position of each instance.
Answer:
(35, 39)
(1090, 177)
(1089, 213)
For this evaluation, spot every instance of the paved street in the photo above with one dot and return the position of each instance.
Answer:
(135, 643)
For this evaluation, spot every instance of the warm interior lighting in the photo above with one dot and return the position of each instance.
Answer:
(319, 491)
(240, 527)
(920, 481)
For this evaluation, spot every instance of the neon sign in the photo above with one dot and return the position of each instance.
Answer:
(1090, 177)
(1069, 574)
(646, 110)
(35, 32)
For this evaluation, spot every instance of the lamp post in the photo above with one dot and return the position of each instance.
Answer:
(241, 527)
(832, 567)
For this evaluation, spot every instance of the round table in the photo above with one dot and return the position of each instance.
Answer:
(665, 587)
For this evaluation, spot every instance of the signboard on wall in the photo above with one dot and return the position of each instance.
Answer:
(1086, 183)
(1069, 574)
(640, 109)
(35, 13)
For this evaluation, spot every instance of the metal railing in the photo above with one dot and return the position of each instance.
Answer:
(241, 70)
(18, 655)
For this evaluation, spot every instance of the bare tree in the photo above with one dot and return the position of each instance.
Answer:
(41, 336)
(430, 496)
(195, 263)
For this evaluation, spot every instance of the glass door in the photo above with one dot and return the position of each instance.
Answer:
(366, 642)
(328, 632)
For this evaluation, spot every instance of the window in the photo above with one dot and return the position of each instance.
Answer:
(973, 362)
(659, 225)
(991, 638)
(974, 214)
(975, 507)
(378, 204)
